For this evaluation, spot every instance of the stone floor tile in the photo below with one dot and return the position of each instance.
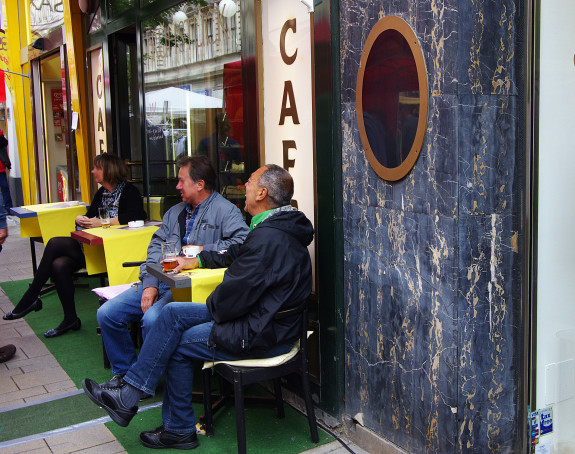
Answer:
(41, 377)
(61, 386)
(21, 276)
(7, 385)
(113, 447)
(25, 330)
(33, 347)
(33, 399)
(5, 372)
(33, 447)
(39, 363)
(10, 336)
(80, 439)
(8, 398)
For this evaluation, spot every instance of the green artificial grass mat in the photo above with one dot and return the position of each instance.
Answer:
(265, 433)
(78, 352)
(80, 355)
(47, 416)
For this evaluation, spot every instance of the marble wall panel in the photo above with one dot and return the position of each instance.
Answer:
(490, 381)
(490, 46)
(433, 263)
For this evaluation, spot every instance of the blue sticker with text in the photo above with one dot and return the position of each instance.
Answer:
(546, 418)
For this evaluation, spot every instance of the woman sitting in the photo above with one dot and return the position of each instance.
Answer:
(64, 255)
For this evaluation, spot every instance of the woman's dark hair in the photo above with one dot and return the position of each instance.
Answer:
(114, 169)
(279, 184)
(200, 169)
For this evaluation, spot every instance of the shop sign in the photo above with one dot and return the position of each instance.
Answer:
(288, 96)
(98, 101)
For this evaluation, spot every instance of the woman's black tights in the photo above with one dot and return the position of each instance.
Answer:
(62, 256)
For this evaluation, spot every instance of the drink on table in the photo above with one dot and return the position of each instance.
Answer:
(169, 256)
(169, 264)
(104, 217)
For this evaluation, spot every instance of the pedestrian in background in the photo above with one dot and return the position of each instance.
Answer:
(7, 351)
(4, 165)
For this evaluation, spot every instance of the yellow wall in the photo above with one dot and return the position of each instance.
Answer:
(17, 37)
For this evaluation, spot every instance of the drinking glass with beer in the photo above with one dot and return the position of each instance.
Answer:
(104, 217)
(169, 256)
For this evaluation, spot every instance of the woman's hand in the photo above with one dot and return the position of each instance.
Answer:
(88, 223)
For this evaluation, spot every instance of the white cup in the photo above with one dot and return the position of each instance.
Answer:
(191, 251)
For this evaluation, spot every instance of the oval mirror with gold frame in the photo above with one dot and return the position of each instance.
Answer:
(392, 98)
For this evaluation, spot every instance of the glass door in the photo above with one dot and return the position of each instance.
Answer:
(54, 163)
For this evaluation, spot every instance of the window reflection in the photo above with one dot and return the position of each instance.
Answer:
(116, 7)
(193, 96)
(45, 17)
(390, 98)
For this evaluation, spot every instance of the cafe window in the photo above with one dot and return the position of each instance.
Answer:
(392, 98)
(193, 96)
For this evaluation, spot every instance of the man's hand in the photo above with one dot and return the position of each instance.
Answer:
(186, 263)
(3, 235)
(149, 297)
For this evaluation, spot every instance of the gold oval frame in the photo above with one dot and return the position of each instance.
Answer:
(401, 26)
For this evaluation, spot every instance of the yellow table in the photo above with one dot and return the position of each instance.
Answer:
(107, 249)
(190, 285)
(48, 220)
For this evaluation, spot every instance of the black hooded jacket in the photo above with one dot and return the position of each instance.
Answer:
(269, 272)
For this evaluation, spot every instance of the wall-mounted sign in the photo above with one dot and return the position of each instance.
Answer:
(98, 101)
(288, 97)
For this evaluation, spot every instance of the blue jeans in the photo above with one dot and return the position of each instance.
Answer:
(5, 188)
(179, 336)
(113, 318)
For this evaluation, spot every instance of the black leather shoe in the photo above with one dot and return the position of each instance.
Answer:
(74, 326)
(162, 439)
(117, 381)
(35, 306)
(111, 401)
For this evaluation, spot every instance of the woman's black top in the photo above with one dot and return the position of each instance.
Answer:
(130, 205)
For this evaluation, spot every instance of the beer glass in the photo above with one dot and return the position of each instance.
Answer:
(104, 217)
(169, 256)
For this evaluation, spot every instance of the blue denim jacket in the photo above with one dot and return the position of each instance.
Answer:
(218, 225)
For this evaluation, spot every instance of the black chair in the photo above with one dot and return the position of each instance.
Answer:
(247, 372)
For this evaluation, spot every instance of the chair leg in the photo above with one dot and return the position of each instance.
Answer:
(279, 398)
(309, 406)
(240, 414)
(208, 414)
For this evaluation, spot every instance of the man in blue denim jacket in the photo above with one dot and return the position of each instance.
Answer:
(203, 218)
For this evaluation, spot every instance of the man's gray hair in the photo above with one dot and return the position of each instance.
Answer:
(279, 184)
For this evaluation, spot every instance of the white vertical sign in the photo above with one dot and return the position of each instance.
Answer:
(98, 101)
(288, 97)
